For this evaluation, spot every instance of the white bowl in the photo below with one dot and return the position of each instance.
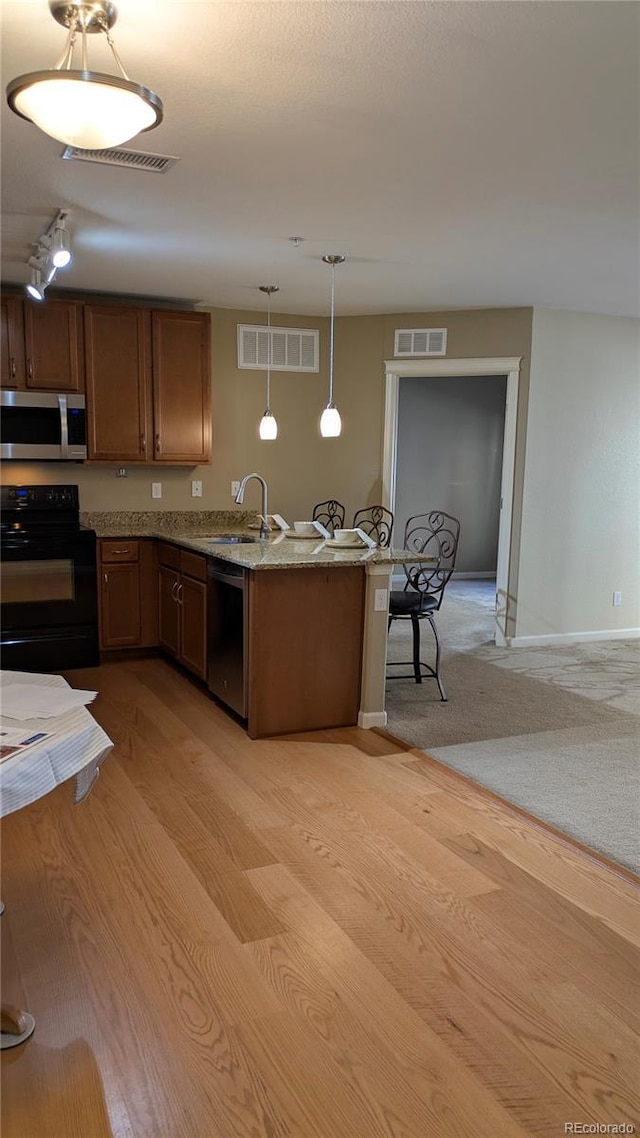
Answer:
(305, 527)
(345, 535)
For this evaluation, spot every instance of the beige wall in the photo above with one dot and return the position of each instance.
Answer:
(581, 502)
(301, 468)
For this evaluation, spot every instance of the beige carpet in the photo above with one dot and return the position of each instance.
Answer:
(555, 730)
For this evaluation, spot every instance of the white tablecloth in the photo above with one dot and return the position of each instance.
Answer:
(77, 745)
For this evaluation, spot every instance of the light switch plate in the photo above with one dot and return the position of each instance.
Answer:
(196, 488)
(381, 599)
(156, 489)
(235, 486)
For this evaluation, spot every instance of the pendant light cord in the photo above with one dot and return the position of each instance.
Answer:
(269, 353)
(333, 285)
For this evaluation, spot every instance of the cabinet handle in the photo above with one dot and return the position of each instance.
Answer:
(29, 369)
(120, 551)
(158, 443)
(143, 443)
(13, 367)
(179, 597)
(174, 591)
(106, 578)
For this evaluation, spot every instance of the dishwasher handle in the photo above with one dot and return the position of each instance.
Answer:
(232, 576)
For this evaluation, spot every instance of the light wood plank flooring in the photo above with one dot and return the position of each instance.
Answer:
(321, 936)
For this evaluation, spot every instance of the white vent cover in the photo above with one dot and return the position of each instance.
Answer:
(133, 159)
(420, 342)
(292, 349)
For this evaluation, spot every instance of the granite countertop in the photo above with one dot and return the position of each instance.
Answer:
(194, 529)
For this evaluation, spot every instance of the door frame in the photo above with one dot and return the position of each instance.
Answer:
(438, 368)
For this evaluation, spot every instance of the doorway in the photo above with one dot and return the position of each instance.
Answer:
(477, 369)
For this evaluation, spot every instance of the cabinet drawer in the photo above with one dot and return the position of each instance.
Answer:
(119, 550)
(193, 564)
(168, 555)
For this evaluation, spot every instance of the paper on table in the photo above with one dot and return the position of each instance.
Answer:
(35, 701)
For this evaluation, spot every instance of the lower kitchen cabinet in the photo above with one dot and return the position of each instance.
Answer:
(305, 649)
(127, 575)
(183, 606)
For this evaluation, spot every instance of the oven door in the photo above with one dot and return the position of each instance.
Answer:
(49, 600)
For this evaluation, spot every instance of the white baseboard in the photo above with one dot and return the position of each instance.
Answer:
(372, 719)
(572, 637)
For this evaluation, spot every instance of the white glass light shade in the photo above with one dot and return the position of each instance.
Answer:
(268, 428)
(84, 108)
(330, 423)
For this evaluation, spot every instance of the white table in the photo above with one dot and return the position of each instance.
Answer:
(76, 746)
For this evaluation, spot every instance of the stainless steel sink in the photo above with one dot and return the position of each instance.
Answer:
(231, 539)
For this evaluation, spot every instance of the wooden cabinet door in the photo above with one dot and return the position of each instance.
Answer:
(181, 387)
(303, 681)
(120, 605)
(53, 344)
(169, 610)
(12, 367)
(192, 598)
(117, 365)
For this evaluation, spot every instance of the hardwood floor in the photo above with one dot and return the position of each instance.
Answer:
(318, 936)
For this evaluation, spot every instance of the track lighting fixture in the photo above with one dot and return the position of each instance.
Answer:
(268, 428)
(60, 249)
(53, 252)
(330, 421)
(83, 108)
(35, 288)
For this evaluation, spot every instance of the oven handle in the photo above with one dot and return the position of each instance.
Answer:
(64, 427)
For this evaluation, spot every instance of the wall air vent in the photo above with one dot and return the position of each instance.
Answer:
(420, 342)
(133, 159)
(292, 349)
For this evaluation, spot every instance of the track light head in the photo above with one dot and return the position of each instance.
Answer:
(61, 255)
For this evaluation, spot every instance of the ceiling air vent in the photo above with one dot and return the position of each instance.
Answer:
(292, 349)
(420, 342)
(133, 159)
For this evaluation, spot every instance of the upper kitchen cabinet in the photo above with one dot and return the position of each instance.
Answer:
(118, 379)
(41, 345)
(148, 385)
(53, 345)
(12, 368)
(181, 386)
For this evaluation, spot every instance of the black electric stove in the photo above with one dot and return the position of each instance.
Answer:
(48, 599)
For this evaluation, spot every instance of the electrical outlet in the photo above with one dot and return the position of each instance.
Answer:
(196, 488)
(235, 486)
(380, 600)
(617, 599)
(156, 489)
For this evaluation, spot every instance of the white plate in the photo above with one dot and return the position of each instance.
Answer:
(346, 544)
(304, 536)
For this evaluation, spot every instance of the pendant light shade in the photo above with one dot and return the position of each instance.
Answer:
(268, 429)
(330, 421)
(83, 108)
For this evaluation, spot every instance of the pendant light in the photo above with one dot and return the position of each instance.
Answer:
(330, 421)
(85, 109)
(268, 428)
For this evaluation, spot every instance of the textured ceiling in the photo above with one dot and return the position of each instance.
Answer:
(461, 154)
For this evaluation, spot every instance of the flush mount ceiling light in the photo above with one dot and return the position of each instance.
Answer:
(330, 421)
(268, 428)
(85, 109)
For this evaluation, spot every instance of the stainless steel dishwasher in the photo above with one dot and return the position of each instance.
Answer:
(227, 598)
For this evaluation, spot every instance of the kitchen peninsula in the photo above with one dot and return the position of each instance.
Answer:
(313, 651)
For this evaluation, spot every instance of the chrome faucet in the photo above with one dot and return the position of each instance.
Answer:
(264, 526)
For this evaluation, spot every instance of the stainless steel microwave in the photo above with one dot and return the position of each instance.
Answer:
(43, 426)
